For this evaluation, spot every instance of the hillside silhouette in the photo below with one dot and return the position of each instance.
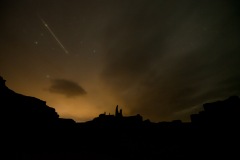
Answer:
(32, 130)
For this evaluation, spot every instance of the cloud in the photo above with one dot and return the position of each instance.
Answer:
(66, 87)
(163, 62)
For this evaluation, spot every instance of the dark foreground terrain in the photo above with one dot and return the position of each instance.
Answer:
(31, 130)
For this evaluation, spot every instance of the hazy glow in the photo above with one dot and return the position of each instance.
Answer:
(161, 59)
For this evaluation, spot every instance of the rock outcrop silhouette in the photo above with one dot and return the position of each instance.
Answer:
(116, 121)
(219, 114)
(32, 130)
(26, 112)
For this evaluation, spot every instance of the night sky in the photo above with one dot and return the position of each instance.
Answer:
(161, 59)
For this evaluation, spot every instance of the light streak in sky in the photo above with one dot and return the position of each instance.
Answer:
(54, 36)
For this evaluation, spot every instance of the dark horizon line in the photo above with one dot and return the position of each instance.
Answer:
(118, 114)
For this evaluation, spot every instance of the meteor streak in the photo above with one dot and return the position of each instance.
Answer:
(54, 36)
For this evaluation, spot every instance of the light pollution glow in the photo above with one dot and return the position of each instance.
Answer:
(161, 59)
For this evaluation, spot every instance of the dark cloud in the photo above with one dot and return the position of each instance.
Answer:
(166, 60)
(67, 88)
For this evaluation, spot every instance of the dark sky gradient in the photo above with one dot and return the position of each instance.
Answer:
(160, 58)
